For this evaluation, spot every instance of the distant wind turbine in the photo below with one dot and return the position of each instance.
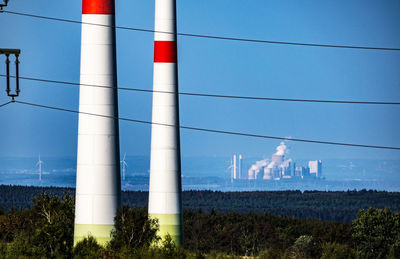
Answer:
(231, 170)
(39, 163)
(124, 165)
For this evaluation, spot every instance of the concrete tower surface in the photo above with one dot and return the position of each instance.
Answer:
(165, 202)
(98, 183)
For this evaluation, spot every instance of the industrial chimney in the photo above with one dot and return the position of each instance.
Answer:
(98, 183)
(165, 202)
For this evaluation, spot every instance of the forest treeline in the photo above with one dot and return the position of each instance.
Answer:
(46, 231)
(340, 206)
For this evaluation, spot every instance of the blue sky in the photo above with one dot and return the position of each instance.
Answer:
(51, 50)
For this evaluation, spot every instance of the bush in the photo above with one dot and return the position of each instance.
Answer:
(3, 249)
(219, 255)
(170, 251)
(304, 247)
(270, 253)
(337, 251)
(21, 248)
(88, 248)
(13, 222)
(167, 250)
(394, 252)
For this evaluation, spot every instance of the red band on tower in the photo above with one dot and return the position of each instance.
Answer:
(98, 7)
(165, 52)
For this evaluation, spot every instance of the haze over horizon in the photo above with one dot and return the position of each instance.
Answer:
(51, 50)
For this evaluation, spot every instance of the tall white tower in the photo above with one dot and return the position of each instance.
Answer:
(165, 202)
(98, 183)
(240, 166)
(234, 167)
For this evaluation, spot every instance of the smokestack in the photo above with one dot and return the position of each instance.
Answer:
(98, 183)
(240, 166)
(234, 166)
(165, 202)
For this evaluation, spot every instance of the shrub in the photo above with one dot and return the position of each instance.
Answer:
(337, 251)
(88, 248)
(304, 247)
(270, 253)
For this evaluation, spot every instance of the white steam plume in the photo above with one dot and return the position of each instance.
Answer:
(281, 149)
(258, 165)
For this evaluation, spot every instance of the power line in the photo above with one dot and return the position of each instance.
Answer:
(209, 36)
(4, 104)
(215, 95)
(211, 130)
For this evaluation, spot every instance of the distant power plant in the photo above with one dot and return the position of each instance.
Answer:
(278, 167)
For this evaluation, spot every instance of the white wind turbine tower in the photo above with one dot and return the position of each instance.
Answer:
(230, 169)
(39, 163)
(124, 165)
(98, 173)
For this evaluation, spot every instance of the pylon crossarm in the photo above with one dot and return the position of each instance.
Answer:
(5, 3)
(10, 51)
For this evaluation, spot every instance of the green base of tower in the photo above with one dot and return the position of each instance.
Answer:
(102, 233)
(170, 224)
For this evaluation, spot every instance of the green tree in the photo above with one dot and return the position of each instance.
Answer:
(50, 233)
(169, 249)
(304, 247)
(133, 229)
(13, 222)
(375, 231)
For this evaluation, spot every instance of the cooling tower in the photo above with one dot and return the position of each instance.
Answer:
(165, 165)
(251, 174)
(278, 159)
(98, 182)
(267, 173)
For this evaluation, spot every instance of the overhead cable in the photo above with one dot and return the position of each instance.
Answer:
(4, 104)
(215, 95)
(209, 36)
(212, 130)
